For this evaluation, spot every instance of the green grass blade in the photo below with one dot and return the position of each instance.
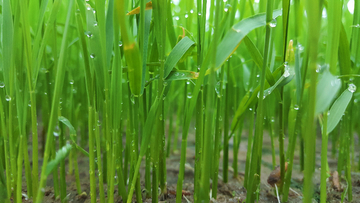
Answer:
(334, 27)
(95, 47)
(233, 37)
(131, 51)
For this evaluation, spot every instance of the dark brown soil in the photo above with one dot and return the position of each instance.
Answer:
(232, 191)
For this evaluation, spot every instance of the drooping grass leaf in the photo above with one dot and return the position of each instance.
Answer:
(72, 134)
(258, 59)
(60, 155)
(237, 32)
(176, 54)
(326, 90)
(338, 108)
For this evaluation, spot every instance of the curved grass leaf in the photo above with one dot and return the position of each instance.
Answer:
(283, 80)
(327, 88)
(258, 59)
(338, 108)
(72, 134)
(182, 75)
(60, 155)
(237, 32)
(175, 55)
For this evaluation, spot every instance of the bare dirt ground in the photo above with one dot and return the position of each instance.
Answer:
(232, 191)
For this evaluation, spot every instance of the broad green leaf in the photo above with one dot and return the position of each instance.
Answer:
(326, 90)
(60, 155)
(338, 108)
(72, 134)
(176, 54)
(237, 32)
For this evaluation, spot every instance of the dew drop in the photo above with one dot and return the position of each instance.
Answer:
(71, 82)
(8, 98)
(92, 56)
(88, 34)
(352, 87)
(273, 23)
(2, 85)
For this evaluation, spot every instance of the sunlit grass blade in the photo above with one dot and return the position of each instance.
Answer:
(175, 55)
(237, 32)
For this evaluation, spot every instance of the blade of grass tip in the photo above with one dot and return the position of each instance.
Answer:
(58, 81)
(256, 155)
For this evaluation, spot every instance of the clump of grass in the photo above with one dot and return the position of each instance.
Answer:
(88, 77)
